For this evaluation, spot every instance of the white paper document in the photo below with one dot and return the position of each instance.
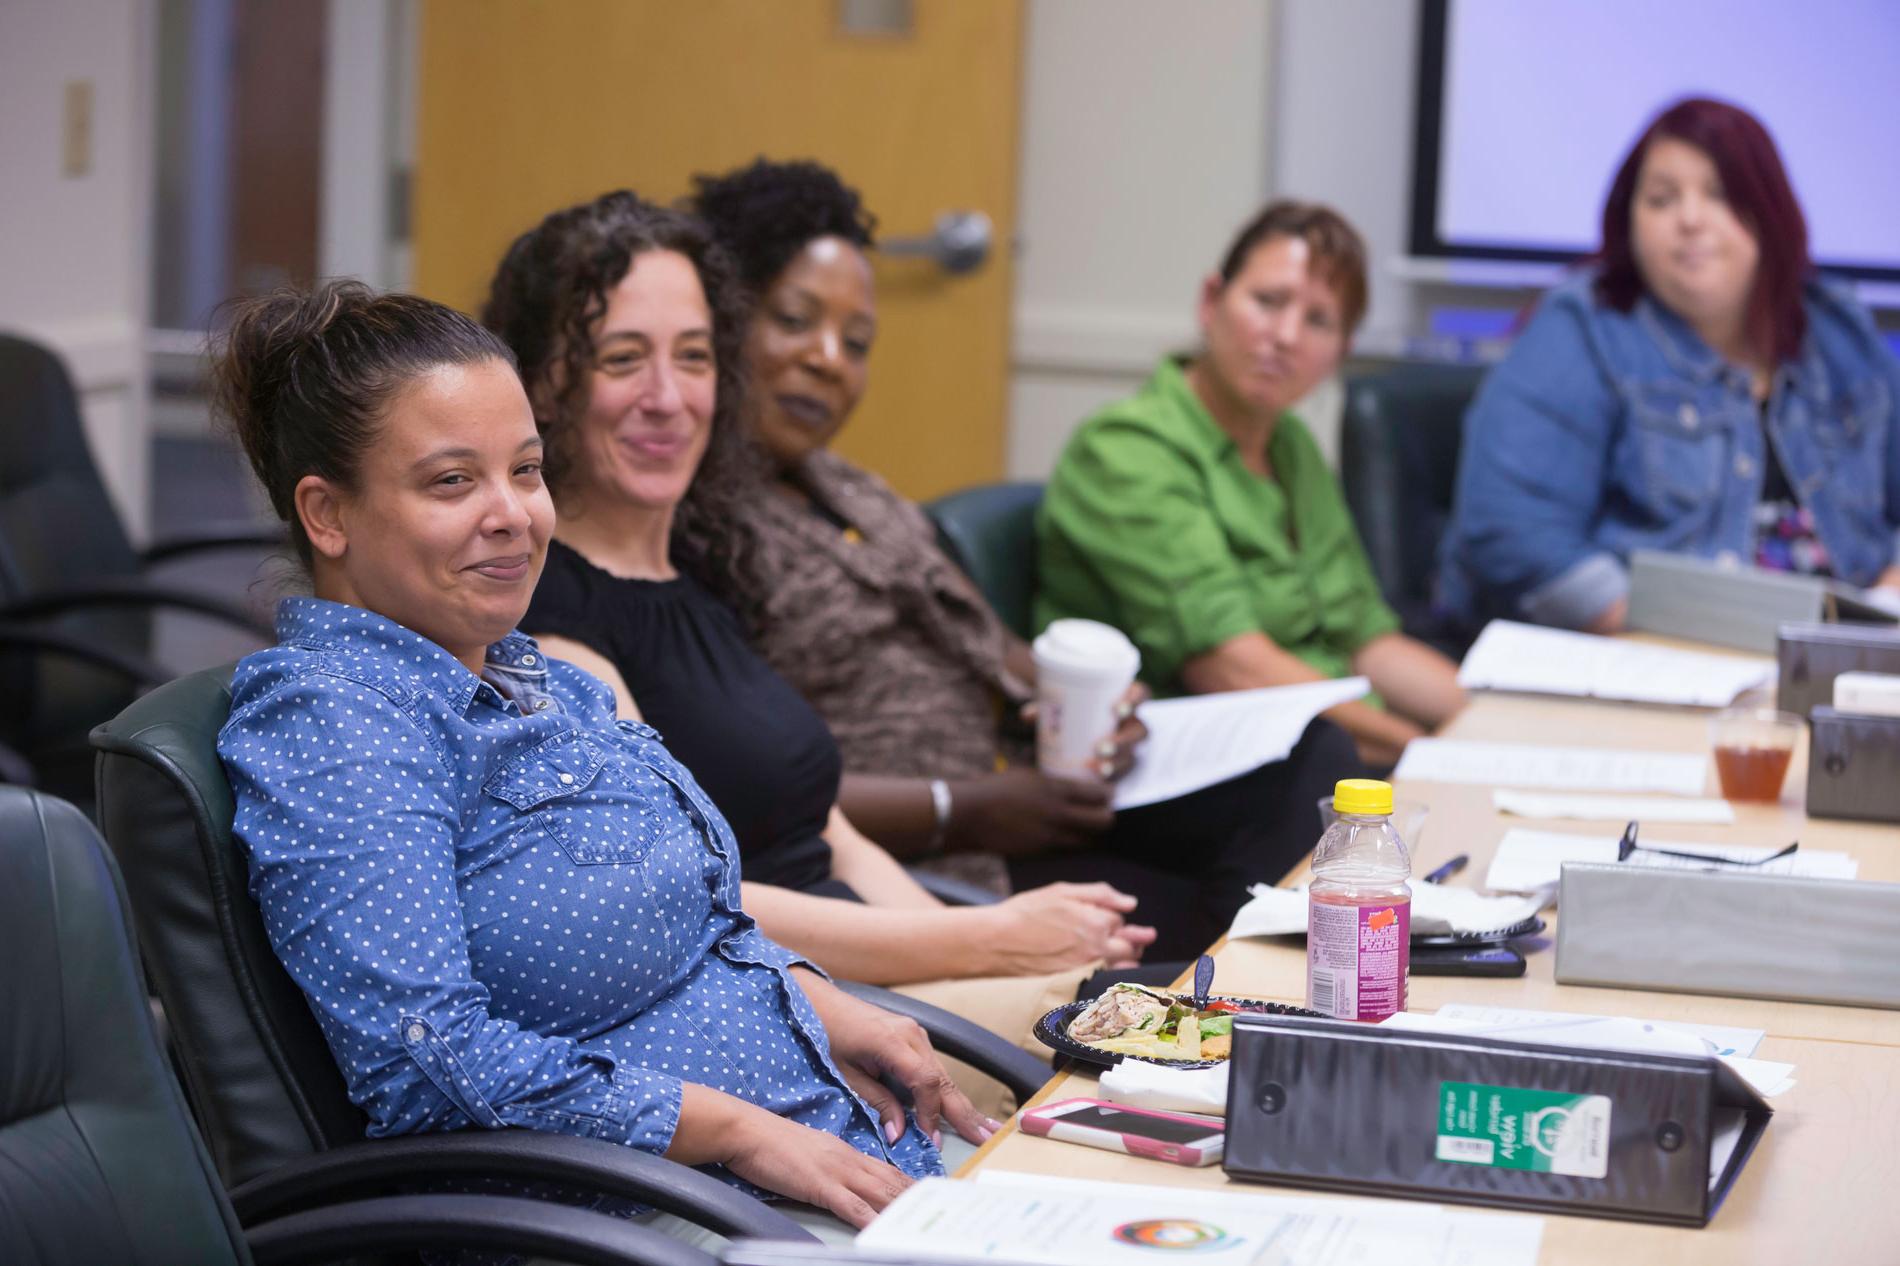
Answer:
(1551, 768)
(1529, 861)
(1596, 1032)
(1436, 909)
(1585, 807)
(1045, 1221)
(1199, 740)
(1720, 1039)
(1524, 657)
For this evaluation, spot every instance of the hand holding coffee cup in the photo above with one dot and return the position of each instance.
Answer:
(1084, 669)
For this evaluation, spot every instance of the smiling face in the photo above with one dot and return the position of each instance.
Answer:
(1274, 331)
(652, 389)
(448, 525)
(1695, 255)
(809, 347)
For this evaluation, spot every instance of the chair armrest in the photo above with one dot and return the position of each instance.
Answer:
(523, 1155)
(407, 1224)
(952, 892)
(218, 536)
(134, 591)
(16, 769)
(139, 670)
(953, 1035)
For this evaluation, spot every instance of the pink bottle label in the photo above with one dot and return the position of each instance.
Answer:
(1358, 957)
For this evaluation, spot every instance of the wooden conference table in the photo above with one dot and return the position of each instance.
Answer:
(1824, 1183)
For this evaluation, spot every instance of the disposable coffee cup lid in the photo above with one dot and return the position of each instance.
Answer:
(1087, 646)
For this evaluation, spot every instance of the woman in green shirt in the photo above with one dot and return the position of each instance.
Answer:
(1199, 518)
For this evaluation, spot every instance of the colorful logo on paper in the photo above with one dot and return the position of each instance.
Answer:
(1173, 1234)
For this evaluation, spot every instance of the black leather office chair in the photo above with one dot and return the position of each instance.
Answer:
(1398, 465)
(259, 1073)
(76, 598)
(990, 532)
(99, 1160)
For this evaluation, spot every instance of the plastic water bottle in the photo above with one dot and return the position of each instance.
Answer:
(1359, 909)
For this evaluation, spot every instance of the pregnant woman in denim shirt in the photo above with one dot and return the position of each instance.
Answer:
(505, 907)
(1698, 391)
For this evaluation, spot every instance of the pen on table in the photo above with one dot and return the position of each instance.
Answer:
(1449, 869)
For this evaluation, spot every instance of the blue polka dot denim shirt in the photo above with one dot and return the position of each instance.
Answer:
(505, 907)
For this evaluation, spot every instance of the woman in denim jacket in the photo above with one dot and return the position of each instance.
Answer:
(1697, 391)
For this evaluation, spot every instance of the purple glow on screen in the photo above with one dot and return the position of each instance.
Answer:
(1542, 99)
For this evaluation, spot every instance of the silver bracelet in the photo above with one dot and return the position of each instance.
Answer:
(940, 805)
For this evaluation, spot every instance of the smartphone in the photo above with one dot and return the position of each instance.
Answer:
(1466, 960)
(1168, 1136)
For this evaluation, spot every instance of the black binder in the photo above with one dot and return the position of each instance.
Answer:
(1395, 1112)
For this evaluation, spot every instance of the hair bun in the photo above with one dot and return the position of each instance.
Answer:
(303, 377)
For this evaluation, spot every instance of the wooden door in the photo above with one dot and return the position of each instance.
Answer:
(526, 107)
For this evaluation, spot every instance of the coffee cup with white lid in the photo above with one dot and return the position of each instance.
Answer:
(1083, 668)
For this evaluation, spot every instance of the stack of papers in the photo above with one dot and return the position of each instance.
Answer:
(1436, 910)
(1199, 740)
(1531, 804)
(1598, 1032)
(1551, 768)
(1028, 1218)
(1524, 657)
(1532, 861)
(1717, 1039)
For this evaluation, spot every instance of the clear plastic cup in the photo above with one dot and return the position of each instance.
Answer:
(1753, 747)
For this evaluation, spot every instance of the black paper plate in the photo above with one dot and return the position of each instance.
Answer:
(1053, 1031)
(1496, 936)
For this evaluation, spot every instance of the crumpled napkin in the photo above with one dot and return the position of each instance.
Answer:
(1140, 1084)
(1436, 910)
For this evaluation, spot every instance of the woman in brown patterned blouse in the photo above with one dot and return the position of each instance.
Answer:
(847, 595)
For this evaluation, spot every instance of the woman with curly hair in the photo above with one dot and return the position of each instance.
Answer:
(847, 595)
(626, 320)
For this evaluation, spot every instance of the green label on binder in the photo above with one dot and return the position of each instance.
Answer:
(1524, 1129)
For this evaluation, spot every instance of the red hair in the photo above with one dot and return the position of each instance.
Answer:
(1756, 186)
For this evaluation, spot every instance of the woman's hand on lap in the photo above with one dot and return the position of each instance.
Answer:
(784, 1157)
(872, 1046)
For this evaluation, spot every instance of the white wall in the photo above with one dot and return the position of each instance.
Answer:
(73, 249)
(1145, 144)
(1150, 132)
(366, 111)
(1342, 134)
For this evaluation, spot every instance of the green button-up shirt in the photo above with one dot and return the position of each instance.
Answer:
(1153, 524)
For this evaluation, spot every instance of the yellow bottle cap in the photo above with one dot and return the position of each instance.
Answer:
(1362, 795)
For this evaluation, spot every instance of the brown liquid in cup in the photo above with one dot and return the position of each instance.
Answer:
(1752, 773)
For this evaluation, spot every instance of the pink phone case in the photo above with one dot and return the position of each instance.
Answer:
(1049, 1121)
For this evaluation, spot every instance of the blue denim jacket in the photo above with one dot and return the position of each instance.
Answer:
(1604, 432)
(505, 907)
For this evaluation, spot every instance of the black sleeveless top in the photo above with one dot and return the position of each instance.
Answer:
(751, 741)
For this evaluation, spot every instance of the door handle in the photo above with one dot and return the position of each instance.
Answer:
(959, 243)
